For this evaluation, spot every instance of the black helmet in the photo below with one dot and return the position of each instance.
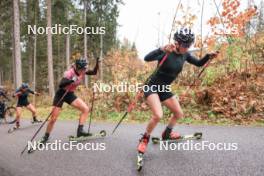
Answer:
(24, 86)
(184, 37)
(80, 63)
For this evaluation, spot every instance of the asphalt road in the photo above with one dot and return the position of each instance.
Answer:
(119, 156)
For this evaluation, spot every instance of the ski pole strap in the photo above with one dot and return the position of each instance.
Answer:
(90, 120)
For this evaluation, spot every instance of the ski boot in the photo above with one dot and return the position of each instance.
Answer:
(168, 134)
(35, 120)
(44, 139)
(81, 132)
(143, 143)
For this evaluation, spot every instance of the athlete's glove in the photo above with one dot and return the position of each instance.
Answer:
(168, 48)
(213, 54)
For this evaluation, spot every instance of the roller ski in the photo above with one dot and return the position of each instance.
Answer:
(83, 136)
(35, 121)
(14, 128)
(11, 130)
(176, 137)
(142, 146)
(17, 126)
(42, 141)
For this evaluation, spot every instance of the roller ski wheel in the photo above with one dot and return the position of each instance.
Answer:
(140, 161)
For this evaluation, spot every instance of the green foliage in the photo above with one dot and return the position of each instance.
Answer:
(211, 115)
(186, 120)
(234, 53)
(210, 75)
(6, 39)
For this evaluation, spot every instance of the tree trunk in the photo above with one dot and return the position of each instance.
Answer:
(1, 76)
(14, 64)
(85, 42)
(34, 68)
(67, 45)
(35, 62)
(34, 84)
(101, 57)
(30, 60)
(13, 54)
(49, 49)
(58, 66)
(68, 51)
(16, 45)
(30, 42)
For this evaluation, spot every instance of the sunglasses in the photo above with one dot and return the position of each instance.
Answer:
(185, 45)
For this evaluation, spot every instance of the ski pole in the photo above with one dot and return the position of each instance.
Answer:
(35, 134)
(204, 67)
(91, 114)
(132, 105)
(90, 120)
(199, 74)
